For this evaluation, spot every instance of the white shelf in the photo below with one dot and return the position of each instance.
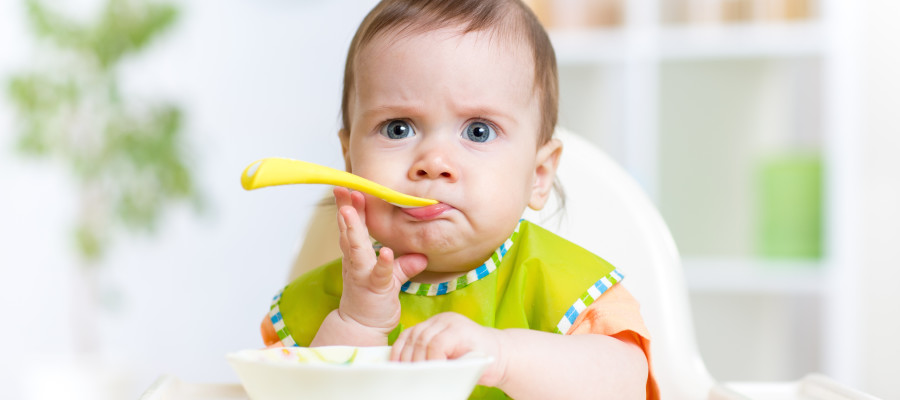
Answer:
(755, 276)
(589, 46)
(610, 46)
(651, 91)
(748, 40)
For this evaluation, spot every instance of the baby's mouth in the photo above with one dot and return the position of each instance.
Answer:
(428, 212)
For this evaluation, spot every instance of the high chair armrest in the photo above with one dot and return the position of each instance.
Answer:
(811, 387)
(722, 391)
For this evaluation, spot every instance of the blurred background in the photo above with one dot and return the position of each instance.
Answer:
(766, 131)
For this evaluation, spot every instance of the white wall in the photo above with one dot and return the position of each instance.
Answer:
(256, 79)
(879, 176)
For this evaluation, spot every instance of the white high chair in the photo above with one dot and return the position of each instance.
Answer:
(607, 213)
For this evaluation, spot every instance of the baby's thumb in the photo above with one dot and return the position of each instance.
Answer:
(409, 265)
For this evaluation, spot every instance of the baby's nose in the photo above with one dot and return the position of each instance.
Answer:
(433, 166)
(423, 173)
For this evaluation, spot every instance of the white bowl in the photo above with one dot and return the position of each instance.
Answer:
(345, 372)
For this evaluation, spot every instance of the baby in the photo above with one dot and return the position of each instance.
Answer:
(457, 101)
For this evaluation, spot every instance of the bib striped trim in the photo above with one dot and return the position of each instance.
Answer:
(587, 299)
(284, 334)
(437, 289)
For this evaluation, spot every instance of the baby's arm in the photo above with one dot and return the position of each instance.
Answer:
(370, 307)
(543, 365)
(532, 364)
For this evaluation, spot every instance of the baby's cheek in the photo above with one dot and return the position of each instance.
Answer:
(378, 218)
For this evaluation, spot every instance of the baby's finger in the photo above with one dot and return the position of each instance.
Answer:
(409, 265)
(341, 196)
(399, 343)
(383, 273)
(404, 347)
(358, 200)
(355, 230)
(341, 199)
(358, 249)
(342, 234)
(430, 344)
(412, 344)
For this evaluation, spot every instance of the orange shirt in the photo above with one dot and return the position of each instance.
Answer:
(617, 313)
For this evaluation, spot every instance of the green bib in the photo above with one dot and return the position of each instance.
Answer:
(535, 280)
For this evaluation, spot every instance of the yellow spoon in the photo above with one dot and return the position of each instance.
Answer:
(284, 171)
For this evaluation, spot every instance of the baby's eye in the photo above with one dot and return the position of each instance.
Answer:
(397, 129)
(479, 132)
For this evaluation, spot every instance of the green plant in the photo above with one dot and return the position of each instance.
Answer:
(126, 154)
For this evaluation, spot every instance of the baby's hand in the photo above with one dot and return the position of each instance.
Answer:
(448, 336)
(371, 283)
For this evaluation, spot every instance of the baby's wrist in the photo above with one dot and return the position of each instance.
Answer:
(357, 323)
(336, 330)
(499, 374)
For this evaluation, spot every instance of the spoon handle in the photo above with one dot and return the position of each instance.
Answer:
(284, 171)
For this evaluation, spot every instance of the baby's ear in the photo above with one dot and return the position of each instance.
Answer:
(546, 161)
(344, 135)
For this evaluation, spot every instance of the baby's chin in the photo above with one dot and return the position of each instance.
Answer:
(452, 264)
(431, 249)
(429, 237)
(448, 259)
(448, 246)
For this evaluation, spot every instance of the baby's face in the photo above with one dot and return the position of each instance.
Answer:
(450, 117)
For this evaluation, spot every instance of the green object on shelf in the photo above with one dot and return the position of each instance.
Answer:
(790, 207)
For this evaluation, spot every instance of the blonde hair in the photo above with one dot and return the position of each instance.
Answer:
(511, 18)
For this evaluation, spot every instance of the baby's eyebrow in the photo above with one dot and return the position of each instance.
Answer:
(481, 110)
(488, 112)
(392, 110)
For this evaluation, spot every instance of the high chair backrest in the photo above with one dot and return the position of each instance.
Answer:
(607, 213)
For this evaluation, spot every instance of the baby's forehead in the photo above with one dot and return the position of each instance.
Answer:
(500, 39)
(450, 47)
(445, 53)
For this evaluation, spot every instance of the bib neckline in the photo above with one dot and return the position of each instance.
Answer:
(482, 271)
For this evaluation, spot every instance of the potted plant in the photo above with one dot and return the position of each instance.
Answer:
(126, 154)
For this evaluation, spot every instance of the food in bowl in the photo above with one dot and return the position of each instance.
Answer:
(347, 372)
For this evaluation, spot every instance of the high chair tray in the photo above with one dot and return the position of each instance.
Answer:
(811, 387)
(171, 388)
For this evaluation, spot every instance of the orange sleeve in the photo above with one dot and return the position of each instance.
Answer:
(269, 336)
(617, 313)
